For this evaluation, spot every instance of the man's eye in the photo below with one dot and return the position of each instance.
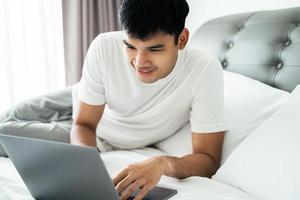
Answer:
(130, 47)
(155, 49)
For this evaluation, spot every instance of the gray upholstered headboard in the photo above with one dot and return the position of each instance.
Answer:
(263, 45)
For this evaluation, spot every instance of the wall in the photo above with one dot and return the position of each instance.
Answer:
(203, 10)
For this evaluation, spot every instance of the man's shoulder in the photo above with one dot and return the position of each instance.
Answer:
(109, 38)
(197, 60)
(198, 55)
(108, 45)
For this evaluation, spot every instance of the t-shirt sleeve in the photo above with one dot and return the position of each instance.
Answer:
(91, 89)
(207, 112)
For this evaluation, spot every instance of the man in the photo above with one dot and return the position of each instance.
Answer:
(151, 87)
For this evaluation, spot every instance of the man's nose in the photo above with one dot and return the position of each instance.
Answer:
(141, 59)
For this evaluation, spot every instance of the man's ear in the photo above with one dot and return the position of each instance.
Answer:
(183, 38)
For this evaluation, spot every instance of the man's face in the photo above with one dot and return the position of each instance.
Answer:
(153, 58)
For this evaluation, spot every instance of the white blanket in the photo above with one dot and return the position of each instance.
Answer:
(13, 188)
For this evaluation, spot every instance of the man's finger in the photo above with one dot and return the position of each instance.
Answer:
(119, 177)
(123, 184)
(146, 188)
(132, 188)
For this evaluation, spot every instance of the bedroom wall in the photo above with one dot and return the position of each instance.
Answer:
(203, 10)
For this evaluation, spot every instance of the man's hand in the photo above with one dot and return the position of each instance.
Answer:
(144, 175)
(204, 161)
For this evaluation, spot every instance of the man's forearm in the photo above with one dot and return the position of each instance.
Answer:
(190, 165)
(82, 135)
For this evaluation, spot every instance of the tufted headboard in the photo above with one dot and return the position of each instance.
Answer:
(263, 45)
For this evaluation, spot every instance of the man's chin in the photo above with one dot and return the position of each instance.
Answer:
(146, 78)
(147, 81)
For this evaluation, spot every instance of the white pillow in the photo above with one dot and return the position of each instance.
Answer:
(247, 103)
(266, 164)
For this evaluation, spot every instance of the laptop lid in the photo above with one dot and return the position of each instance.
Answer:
(53, 170)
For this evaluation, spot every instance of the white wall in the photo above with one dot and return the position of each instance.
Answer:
(203, 10)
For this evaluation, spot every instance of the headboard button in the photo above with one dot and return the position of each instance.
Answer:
(279, 65)
(242, 26)
(224, 64)
(230, 44)
(287, 43)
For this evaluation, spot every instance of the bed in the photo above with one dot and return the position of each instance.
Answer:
(260, 55)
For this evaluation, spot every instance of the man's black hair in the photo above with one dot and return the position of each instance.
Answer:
(142, 18)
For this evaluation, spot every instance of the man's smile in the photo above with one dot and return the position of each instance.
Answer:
(145, 71)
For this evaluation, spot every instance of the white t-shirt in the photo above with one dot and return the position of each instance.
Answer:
(138, 114)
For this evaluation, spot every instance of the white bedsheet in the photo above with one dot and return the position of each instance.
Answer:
(13, 188)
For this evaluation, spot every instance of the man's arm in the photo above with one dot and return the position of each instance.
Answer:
(83, 130)
(203, 161)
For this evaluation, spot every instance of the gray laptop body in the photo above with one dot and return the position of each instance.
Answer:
(54, 170)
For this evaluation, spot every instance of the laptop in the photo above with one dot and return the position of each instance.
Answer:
(54, 170)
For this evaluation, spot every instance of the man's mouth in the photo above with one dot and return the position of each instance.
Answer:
(146, 70)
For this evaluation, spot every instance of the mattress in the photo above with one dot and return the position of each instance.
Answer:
(13, 188)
